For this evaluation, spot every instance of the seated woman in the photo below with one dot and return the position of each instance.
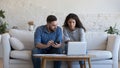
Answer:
(73, 30)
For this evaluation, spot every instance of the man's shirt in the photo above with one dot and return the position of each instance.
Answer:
(42, 35)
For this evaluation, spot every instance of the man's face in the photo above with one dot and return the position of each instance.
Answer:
(52, 25)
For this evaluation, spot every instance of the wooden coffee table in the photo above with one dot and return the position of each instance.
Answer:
(62, 57)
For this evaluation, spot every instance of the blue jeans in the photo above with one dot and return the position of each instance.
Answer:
(51, 50)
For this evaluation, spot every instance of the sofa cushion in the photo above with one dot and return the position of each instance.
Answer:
(26, 37)
(100, 54)
(22, 55)
(96, 40)
(16, 44)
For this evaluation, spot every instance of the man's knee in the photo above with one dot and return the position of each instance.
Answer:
(36, 51)
(59, 50)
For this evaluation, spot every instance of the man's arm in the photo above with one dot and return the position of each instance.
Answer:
(37, 39)
(42, 46)
(58, 41)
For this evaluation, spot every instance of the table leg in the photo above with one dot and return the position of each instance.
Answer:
(85, 64)
(89, 62)
(43, 64)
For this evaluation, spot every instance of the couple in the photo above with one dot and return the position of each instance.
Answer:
(48, 38)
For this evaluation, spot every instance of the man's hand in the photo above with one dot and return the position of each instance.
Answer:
(56, 45)
(50, 43)
(53, 44)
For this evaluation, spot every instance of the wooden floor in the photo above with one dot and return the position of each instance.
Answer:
(1, 64)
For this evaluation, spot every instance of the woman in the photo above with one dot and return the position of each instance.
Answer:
(73, 30)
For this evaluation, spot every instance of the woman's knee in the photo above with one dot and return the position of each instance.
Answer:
(81, 62)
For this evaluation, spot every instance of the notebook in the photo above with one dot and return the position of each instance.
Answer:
(77, 48)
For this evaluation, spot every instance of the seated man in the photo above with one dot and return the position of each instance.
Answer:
(47, 40)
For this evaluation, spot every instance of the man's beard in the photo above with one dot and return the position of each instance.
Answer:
(52, 30)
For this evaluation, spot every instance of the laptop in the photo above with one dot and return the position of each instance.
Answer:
(77, 48)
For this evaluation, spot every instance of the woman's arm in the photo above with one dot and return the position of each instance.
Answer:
(82, 37)
(65, 35)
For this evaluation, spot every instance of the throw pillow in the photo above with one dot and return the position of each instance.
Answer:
(16, 44)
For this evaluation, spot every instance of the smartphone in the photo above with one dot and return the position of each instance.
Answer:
(57, 42)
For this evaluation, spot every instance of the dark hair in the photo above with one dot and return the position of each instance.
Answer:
(76, 18)
(51, 18)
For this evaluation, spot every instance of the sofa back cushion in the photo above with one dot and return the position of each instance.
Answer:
(26, 37)
(96, 40)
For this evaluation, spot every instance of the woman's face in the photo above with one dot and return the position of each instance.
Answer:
(71, 23)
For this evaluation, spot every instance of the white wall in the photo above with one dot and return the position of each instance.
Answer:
(96, 15)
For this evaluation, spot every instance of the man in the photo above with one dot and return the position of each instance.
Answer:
(47, 40)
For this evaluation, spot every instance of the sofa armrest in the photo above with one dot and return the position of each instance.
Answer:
(0, 38)
(113, 43)
(113, 46)
(6, 49)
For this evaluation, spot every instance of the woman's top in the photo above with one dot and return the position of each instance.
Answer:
(76, 35)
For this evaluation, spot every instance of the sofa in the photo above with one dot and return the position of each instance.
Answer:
(1, 55)
(105, 47)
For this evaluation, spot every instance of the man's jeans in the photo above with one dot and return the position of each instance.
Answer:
(50, 50)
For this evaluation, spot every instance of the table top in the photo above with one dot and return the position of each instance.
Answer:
(61, 56)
